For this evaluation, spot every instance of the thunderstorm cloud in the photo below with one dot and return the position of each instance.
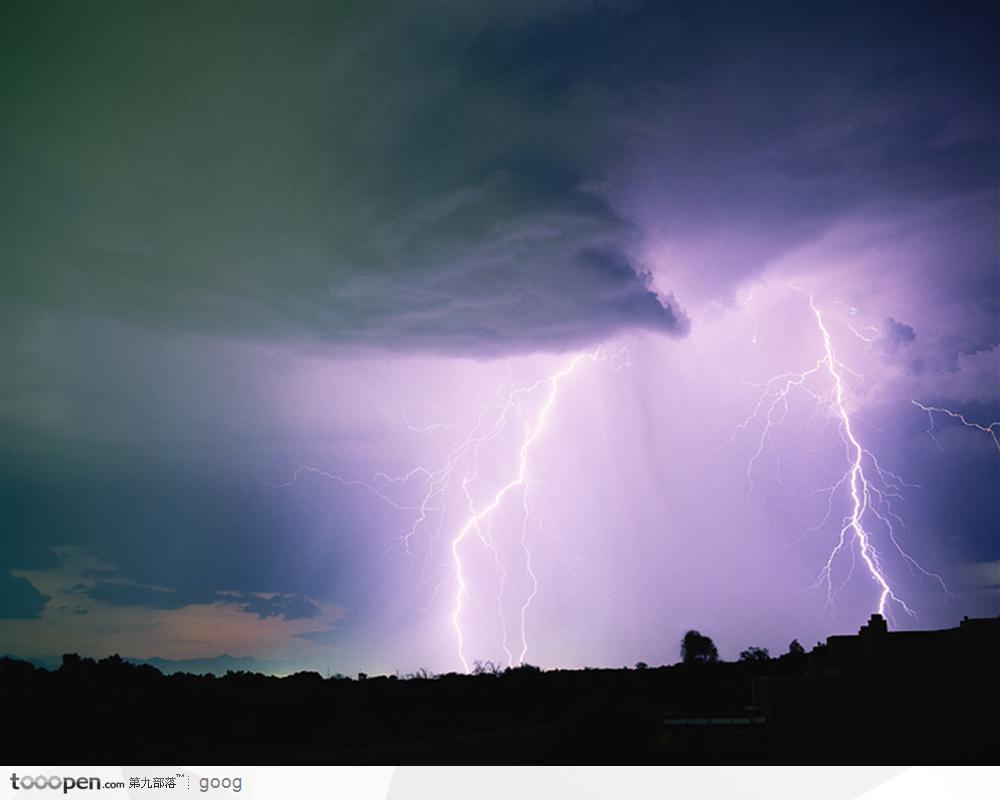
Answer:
(239, 239)
(319, 173)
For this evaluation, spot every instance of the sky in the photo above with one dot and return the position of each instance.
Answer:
(361, 337)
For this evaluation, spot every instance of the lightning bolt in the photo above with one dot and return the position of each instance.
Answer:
(991, 429)
(862, 489)
(868, 487)
(455, 484)
(520, 482)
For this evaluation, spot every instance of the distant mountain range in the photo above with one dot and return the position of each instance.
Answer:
(217, 665)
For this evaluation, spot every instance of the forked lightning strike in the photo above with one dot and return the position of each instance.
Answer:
(518, 482)
(869, 487)
(453, 483)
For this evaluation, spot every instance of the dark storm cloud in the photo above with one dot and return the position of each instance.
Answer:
(424, 177)
(285, 606)
(894, 341)
(124, 594)
(313, 172)
(895, 335)
(19, 599)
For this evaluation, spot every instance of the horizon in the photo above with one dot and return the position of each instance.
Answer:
(172, 666)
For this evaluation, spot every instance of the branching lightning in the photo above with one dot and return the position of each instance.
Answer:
(867, 488)
(993, 429)
(457, 483)
(520, 482)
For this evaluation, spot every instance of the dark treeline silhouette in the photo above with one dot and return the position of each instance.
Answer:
(870, 698)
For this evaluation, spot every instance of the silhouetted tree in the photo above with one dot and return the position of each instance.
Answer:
(755, 654)
(795, 649)
(698, 649)
(641, 665)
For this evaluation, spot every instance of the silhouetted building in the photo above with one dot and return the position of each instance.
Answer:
(972, 647)
(884, 694)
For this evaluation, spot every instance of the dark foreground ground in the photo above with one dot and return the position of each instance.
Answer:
(795, 709)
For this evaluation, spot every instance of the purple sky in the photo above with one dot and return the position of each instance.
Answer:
(323, 237)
